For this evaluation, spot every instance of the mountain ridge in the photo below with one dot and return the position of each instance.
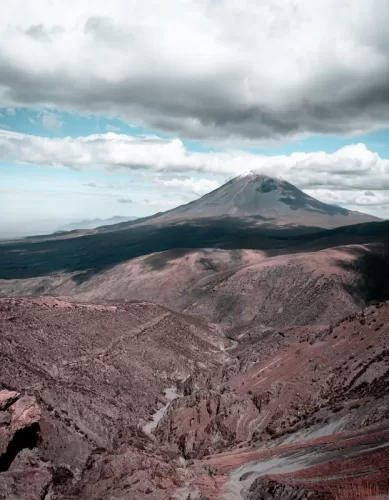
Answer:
(94, 223)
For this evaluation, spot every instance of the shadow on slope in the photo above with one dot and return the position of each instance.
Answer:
(371, 265)
(93, 253)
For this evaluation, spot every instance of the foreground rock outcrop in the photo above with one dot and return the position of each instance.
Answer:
(22, 472)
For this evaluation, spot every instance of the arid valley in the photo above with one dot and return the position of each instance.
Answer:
(252, 364)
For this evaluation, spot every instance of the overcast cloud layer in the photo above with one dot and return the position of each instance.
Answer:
(352, 176)
(217, 70)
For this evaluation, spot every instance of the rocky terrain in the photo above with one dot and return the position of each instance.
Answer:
(308, 413)
(93, 375)
(271, 413)
(201, 354)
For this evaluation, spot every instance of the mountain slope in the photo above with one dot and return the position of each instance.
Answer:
(265, 200)
(235, 288)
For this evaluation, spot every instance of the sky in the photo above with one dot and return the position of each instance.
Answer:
(130, 107)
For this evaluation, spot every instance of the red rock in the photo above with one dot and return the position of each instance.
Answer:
(25, 412)
(7, 398)
(27, 479)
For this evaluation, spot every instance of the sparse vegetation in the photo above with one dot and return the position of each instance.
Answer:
(357, 491)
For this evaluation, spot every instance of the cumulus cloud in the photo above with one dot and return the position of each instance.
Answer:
(215, 70)
(373, 202)
(353, 175)
(351, 167)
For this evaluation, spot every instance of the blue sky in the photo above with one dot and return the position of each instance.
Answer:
(130, 107)
(29, 121)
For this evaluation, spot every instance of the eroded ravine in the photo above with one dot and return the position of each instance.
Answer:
(170, 394)
(318, 398)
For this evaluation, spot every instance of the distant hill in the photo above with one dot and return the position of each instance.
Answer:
(93, 223)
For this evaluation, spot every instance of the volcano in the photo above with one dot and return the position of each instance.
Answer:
(266, 200)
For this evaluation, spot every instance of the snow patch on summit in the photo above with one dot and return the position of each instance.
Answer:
(248, 173)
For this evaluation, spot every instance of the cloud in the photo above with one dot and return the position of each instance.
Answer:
(198, 187)
(243, 72)
(356, 199)
(124, 200)
(51, 122)
(353, 167)
(42, 33)
(353, 176)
